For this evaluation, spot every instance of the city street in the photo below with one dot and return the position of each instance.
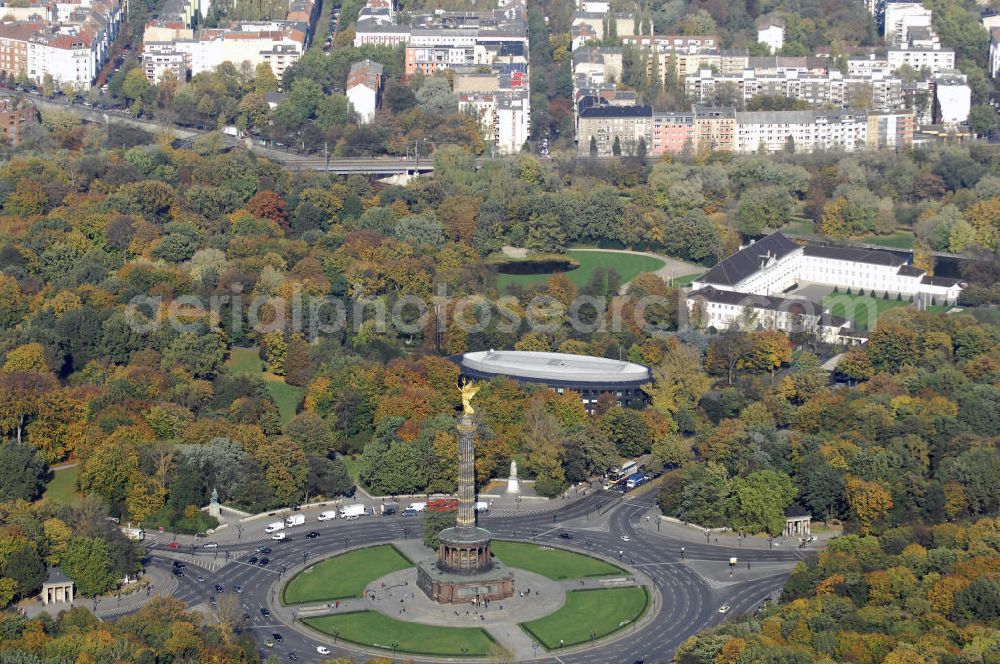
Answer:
(687, 597)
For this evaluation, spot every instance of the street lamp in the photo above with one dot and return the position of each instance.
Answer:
(732, 565)
(347, 543)
(239, 530)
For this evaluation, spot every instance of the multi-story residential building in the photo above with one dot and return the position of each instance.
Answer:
(173, 42)
(801, 131)
(952, 96)
(901, 18)
(889, 130)
(377, 25)
(14, 46)
(918, 98)
(866, 67)
(504, 115)
(67, 43)
(715, 127)
(160, 57)
(994, 52)
(15, 116)
(933, 59)
(673, 133)
(599, 22)
(364, 89)
(672, 42)
(628, 126)
(879, 92)
(771, 31)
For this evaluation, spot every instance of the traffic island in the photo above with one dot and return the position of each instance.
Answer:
(371, 629)
(588, 615)
(343, 576)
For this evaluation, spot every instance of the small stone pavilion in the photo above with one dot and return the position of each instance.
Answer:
(57, 589)
(797, 522)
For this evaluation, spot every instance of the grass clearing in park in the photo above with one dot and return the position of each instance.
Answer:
(62, 488)
(343, 576)
(550, 562)
(599, 612)
(628, 266)
(247, 360)
(373, 629)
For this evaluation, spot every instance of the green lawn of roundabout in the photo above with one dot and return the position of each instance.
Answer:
(595, 611)
(343, 576)
(373, 629)
(599, 612)
(557, 564)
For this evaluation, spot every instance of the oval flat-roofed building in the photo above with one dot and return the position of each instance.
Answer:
(589, 376)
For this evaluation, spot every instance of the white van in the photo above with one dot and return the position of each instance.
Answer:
(279, 536)
(482, 506)
(295, 520)
(326, 516)
(351, 512)
(417, 507)
(274, 527)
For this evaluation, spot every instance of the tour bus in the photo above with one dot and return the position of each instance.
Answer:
(441, 505)
(627, 469)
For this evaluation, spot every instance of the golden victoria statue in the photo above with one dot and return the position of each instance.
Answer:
(468, 390)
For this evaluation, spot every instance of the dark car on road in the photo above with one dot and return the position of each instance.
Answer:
(277, 637)
(566, 535)
(264, 612)
(264, 561)
(252, 560)
(178, 572)
(219, 588)
(312, 534)
(263, 549)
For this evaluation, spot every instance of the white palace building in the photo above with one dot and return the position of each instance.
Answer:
(748, 286)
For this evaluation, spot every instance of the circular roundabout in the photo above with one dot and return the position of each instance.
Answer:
(371, 598)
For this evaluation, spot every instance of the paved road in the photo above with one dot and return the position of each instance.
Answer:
(688, 593)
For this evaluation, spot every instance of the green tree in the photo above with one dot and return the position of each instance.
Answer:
(27, 568)
(201, 355)
(24, 478)
(759, 500)
(88, 563)
(616, 147)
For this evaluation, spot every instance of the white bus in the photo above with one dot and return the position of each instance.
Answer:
(627, 469)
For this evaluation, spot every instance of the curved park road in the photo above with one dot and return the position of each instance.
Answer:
(690, 591)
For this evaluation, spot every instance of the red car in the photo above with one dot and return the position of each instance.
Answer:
(174, 545)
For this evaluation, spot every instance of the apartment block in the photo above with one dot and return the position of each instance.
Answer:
(628, 125)
(801, 131)
(878, 92)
